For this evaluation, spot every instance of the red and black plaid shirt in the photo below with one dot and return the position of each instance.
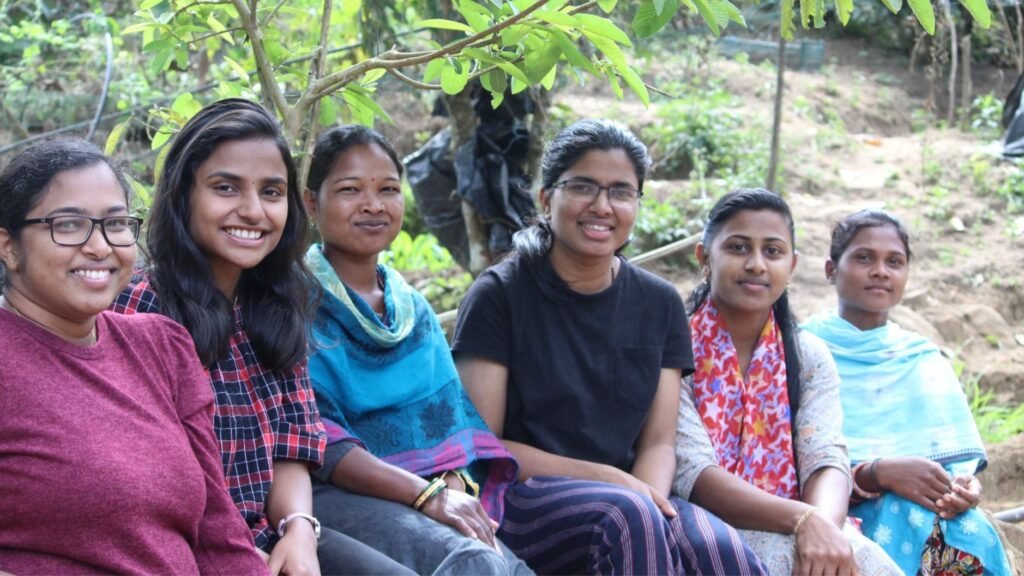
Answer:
(260, 416)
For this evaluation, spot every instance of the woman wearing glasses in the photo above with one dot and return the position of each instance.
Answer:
(98, 407)
(574, 358)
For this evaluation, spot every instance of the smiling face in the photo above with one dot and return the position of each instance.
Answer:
(750, 261)
(59, 286)
(359, 206)
(592, 229)
(870, 276)
(239, 207)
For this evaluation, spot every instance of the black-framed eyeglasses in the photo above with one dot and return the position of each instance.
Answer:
(588, 191)
(75, 230)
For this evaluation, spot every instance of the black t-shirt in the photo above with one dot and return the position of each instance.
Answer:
(582, 368)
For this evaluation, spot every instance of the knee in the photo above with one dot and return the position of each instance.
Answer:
(474, 557)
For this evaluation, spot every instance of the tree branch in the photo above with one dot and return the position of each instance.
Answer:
(412, 82)
(197, 3)
(331, 82)
(263, 67)
(583, 7)
(211, 35)
(315, 72)
(273, 13)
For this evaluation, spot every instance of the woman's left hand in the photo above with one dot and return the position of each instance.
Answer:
(295, 553)
(965, 494)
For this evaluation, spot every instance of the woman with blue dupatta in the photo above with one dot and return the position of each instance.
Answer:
(410, 468)
(905, 418)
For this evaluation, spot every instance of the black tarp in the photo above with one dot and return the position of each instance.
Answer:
(490, 171)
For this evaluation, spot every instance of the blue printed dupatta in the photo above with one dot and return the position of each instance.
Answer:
(391, 386)
(900, 397)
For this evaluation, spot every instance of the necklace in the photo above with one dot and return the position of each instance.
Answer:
(87, 341)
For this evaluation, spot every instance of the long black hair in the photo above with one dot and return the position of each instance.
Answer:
(725, 209)
(26, 179)
(566, 149)
(275, 294)
(846, 229)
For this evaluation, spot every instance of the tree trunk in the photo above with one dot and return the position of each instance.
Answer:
(953, 59)
(966, 86)
(780, 86)
(463, 122)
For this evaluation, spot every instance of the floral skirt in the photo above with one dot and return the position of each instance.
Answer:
(922, 543)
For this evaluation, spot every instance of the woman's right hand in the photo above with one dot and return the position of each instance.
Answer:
(917, 479)
(613, 475)
(822, 548)
(464, 513)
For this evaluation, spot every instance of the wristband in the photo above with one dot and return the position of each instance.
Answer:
(310, 518)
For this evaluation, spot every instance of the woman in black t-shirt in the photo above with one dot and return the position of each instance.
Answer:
(574, 358)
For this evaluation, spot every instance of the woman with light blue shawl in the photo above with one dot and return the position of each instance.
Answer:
(410, 468)
(906, 420)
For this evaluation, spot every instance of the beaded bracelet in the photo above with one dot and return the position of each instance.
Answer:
(803, 518)
(432, 489)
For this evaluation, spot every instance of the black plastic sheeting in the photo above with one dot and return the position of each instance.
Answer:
(489, 171)
(1013, 121)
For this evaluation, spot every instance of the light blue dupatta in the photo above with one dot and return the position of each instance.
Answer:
(900, 396)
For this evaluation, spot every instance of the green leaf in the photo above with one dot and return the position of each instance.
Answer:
(518, 85)
(442, 24)
(648, 21)
(328, 112)
(374, 75)
(549, 81)
(514, 34)
(613, 79)
(607, 47)
(478, 17)
(136, 28)
(925, 15)
(607, 6)
(186, 105)
(819, 13)
(979, 11)
(238, 69)
(141, 192)
(147, 4)
(894, 6)
(604, 27)
(514, 71)
(453, 81)
(115, 137)
(159, 62)
(571, 53)
(557, 18)
(541, 56)
(786, 25)
(498, 80)
(844, 8)
(214, 24)
(161, 137)
(181, 57)
(734, 13)
(433, 70)
(496, 99)
(160, 44)
(353, 94)
(636, 83)
(709, 16)
(659, 7)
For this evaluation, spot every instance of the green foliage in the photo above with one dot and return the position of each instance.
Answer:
(429, 268)
(996, 422)
(1012, 192)
(986, 115)
(408, 254)
(659, 223)
(700, 136)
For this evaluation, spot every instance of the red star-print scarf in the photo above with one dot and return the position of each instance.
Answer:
(747, 419)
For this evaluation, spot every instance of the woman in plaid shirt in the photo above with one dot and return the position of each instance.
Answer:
(226, 241)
